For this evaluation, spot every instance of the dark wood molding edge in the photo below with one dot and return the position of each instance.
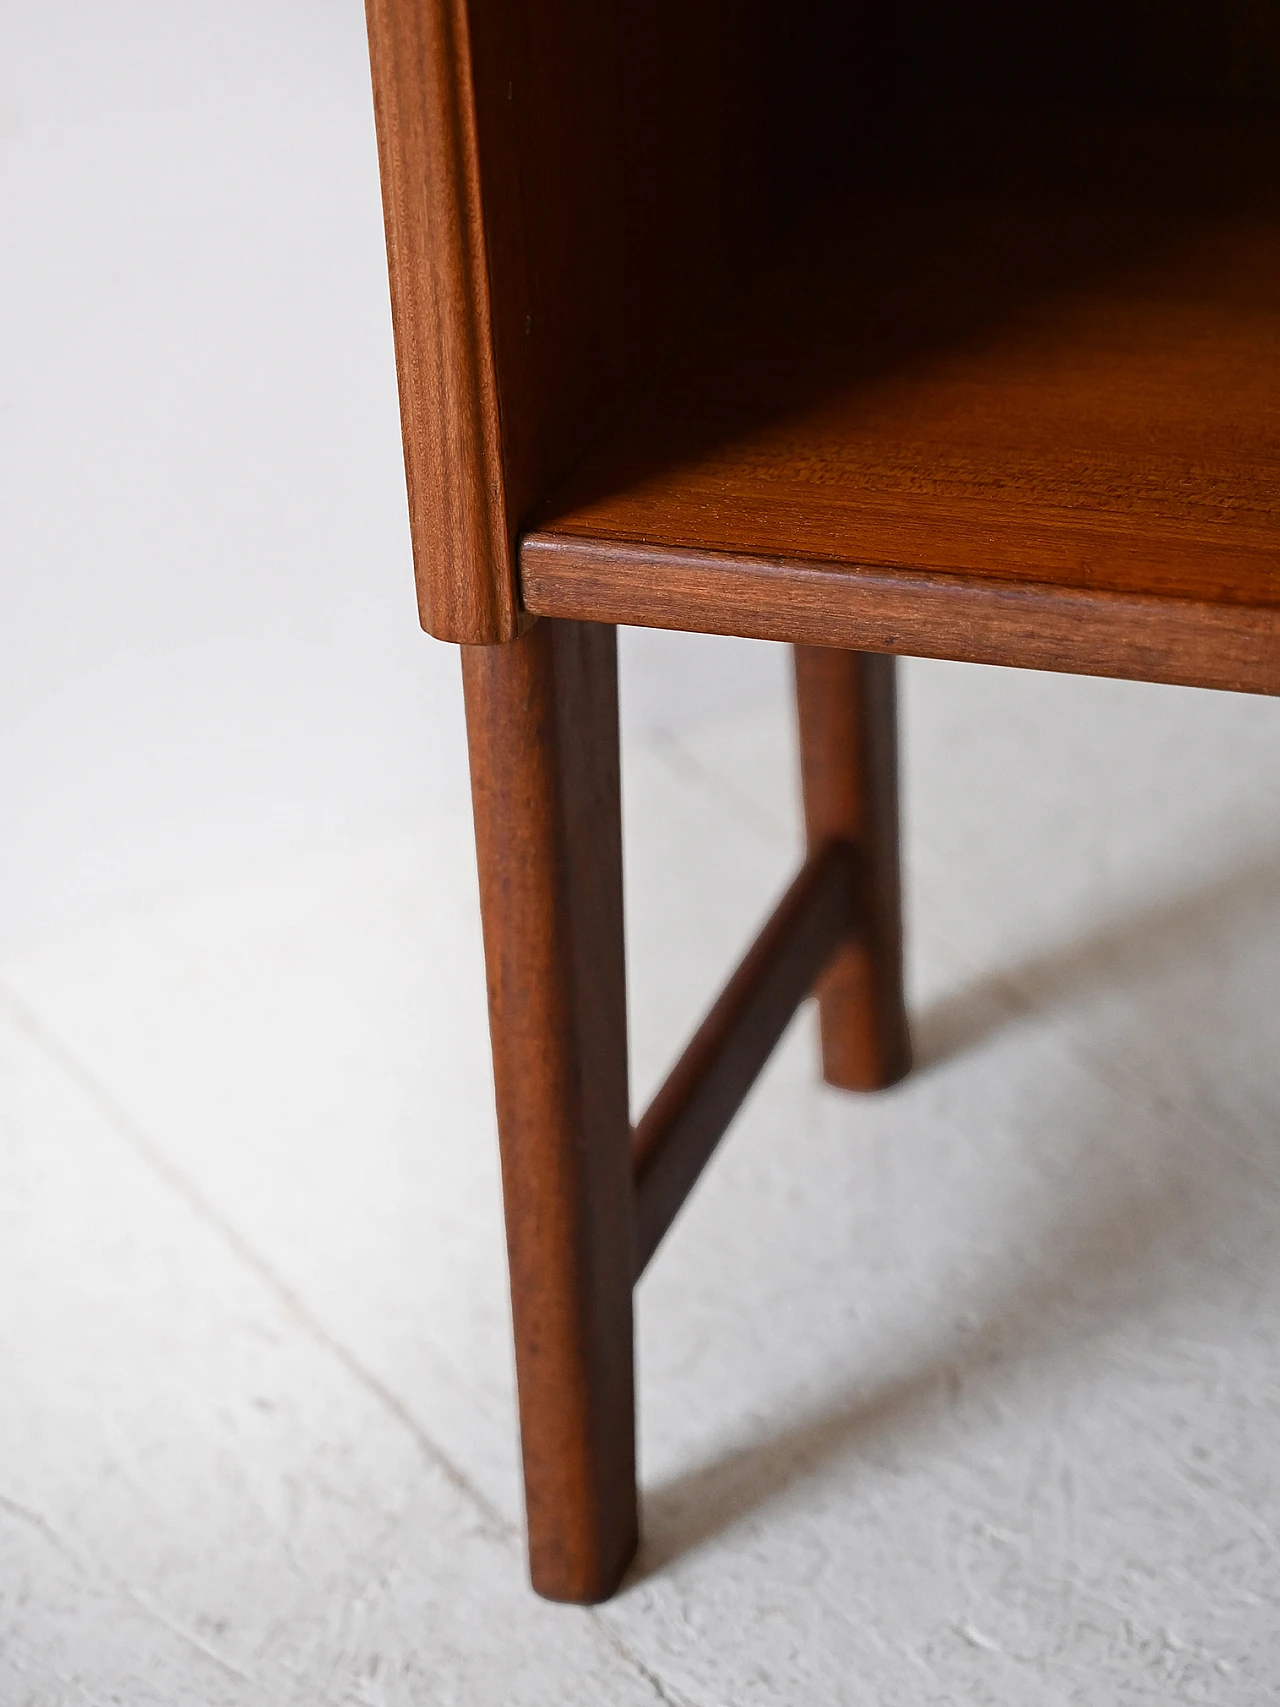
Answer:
(420, 55)
(874, 609)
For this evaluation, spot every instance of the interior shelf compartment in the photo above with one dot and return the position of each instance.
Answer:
(1025, 365)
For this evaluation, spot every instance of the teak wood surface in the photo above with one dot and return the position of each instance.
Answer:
(706, 1087)
(543, 735)
(1019, 403)
(847, 716)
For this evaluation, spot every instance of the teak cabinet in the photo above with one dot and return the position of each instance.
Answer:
(937, 328)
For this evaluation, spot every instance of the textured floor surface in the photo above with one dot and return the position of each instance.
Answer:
(969, 1393)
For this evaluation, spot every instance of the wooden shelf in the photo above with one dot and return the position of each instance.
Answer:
(1015, 394)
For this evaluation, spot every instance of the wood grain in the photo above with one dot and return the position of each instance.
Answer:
(543, 735)
(684, 1123)
(1052, 363)
(420, 53)
(976, 619)
(846, 705)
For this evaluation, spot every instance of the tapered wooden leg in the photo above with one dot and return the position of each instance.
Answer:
(542, 727)
(847, 709)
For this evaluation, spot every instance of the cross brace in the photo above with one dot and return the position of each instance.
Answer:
(587, 1200)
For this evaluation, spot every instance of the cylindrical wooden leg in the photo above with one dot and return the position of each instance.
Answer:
(542, 727)
(847, 708)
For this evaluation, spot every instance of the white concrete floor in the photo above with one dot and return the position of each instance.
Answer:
(965, 1394)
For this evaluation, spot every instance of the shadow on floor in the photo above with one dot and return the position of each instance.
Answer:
(1161, 936)
(1141, 1216)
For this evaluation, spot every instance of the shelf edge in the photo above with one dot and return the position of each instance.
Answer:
(871, 608)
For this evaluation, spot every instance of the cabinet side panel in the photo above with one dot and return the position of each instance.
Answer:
(423, 102)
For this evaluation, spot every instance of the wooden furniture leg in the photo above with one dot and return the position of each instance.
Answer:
(847, 712)
(542, 728)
